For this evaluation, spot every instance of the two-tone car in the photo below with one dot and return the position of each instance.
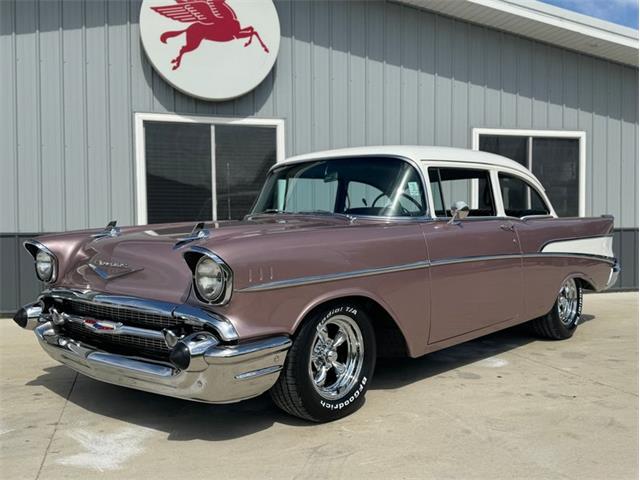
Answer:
(346, 255)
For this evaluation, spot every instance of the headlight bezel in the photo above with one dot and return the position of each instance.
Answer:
(194, 257)
(36, 248)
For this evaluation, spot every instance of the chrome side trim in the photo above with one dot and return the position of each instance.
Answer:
(295, 282)
(331, 277)
(482, 258)
(582, 256)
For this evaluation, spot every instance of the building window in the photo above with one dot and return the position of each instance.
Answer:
(556, 158)
(202, 168)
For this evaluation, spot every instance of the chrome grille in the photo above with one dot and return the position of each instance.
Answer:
(122, 344)
(114, 313)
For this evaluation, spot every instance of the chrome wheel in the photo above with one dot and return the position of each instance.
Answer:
(337, 356)
(568, 303)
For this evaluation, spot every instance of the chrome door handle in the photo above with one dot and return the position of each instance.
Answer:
(508, 227)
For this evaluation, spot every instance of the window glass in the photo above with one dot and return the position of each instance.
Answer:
(178, 164)
(361, 195)
(243, 157)
(356, 186)
(515, 148)
(456, 184)
(556, 164)
(519, 198)
(181, 168)
(554, 161)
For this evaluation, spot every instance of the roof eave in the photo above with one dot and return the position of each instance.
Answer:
(544, 23)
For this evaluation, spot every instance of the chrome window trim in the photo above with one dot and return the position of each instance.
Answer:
(541, 193)
(331, 277)
(414, 163)
(295, 282)
(40, 246)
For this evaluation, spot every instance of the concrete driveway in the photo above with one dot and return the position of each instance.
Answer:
(504, 406)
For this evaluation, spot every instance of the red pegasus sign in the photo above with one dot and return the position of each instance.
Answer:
(210, 20)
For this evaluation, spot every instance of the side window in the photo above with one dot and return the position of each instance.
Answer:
(520, 199)
(449, 185)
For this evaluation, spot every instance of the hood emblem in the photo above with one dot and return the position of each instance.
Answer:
(108, 270)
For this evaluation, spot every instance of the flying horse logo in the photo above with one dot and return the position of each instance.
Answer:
(210, 20)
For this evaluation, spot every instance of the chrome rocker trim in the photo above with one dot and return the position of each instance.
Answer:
(225, 374)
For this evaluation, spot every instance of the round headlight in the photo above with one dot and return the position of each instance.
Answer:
(210, 279)
(44, 266)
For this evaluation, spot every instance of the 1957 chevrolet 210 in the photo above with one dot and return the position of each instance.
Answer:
(346, 255)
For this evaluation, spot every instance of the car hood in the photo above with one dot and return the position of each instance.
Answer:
(148, 261)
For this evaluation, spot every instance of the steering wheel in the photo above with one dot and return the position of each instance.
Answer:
(403, 211)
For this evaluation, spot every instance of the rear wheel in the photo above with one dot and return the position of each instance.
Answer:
(329, 366)
(562, 320)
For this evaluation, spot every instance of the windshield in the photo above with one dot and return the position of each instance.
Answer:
(377, 186)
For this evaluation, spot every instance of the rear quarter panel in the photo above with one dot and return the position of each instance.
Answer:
(544, 272)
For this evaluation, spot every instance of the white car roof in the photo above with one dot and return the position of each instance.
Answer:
(420, 153)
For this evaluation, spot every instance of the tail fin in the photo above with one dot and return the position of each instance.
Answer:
(166, 35)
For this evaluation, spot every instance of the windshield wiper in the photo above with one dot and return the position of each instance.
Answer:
(270, 211)
(351, 218)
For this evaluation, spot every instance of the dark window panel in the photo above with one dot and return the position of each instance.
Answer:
(508, 146)
(178, 162)
(243, 158)
(556, 163)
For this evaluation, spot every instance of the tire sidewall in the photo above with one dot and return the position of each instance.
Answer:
(570, 328)
(320, 408)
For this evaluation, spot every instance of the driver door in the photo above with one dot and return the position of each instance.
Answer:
(476, 266)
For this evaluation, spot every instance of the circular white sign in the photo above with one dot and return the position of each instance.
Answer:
(211, 49)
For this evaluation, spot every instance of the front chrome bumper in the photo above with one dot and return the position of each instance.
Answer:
(229, 374)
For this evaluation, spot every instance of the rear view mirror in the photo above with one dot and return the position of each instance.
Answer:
(459, 211)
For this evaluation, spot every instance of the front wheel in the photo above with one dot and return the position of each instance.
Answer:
(329, 366)
(562, 320)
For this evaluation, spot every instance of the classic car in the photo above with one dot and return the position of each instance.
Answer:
(346, 256)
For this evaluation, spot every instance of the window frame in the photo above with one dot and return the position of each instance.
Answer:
(493, 170)
(497, 205)
(544, 199)
(140, 153)
(417, 165)
(579, 135)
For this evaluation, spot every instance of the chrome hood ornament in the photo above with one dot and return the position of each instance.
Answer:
(198, 232)
(109, 231)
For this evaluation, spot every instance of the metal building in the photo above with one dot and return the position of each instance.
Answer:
(90, 132)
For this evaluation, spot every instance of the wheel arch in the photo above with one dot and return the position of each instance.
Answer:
(384, 324)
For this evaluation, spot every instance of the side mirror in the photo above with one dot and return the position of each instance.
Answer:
(459, 211)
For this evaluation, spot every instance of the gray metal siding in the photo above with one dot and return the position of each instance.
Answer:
(348, 74)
